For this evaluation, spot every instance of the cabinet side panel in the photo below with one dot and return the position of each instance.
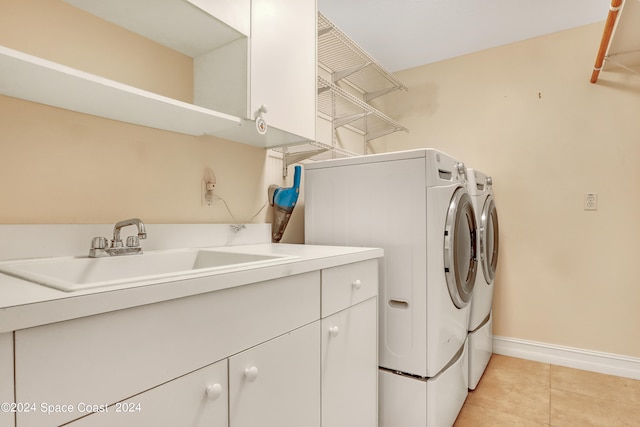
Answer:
(110, 357)
(6, 377)
(220, 79)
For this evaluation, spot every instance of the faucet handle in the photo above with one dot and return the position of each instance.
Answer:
(99, 243)
(133, 241)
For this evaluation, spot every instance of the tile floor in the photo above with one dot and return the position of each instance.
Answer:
(518, 392)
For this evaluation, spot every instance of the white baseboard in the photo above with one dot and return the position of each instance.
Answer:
(605, 363)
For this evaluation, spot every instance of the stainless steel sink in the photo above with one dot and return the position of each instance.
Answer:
(80, 273)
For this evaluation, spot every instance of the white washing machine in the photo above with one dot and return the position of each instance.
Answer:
(415, 205)
(480, 317)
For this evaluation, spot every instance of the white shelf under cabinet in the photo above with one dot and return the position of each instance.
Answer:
(38, 80)
(35, 79)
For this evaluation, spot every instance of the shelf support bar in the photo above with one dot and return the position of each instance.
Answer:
(291, 158)
(373, 95)
(342, 74)
(324, 31)
(373, 135)
(346, 120)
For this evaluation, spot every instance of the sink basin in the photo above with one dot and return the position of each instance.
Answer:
(79, 273)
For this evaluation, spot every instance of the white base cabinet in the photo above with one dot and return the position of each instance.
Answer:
(7, 418)
(106, 358)
(296, 351)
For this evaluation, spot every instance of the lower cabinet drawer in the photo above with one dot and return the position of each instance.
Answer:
(347, 285)
(198, 399)
(105, 358)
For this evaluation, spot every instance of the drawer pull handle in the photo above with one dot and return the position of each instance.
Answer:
(214, 391)
(251, 374)
(357, 284)
(334, 331)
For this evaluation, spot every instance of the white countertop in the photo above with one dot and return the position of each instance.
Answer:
(24, 304)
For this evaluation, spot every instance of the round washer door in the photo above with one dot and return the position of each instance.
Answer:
(489, 239)
(460, 261)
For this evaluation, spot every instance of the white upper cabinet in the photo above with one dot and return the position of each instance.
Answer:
(244, 55)
(277, 83)
(283, 64)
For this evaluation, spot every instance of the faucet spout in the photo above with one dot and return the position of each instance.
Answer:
(142, 232)
(100, 247)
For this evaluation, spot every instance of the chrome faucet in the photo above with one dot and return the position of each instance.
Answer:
(100, 245)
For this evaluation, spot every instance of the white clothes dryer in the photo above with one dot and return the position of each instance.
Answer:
(415, 205)
(480, 316)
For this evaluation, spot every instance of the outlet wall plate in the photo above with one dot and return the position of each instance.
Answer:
(591, 201)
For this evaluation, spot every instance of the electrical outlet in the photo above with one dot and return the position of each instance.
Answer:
(207, 188)
(207, 195)
(591, 201)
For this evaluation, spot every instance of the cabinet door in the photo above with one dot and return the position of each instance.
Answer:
(6, 377)
(350, 367)
(199, 399)
(283, 64)
(277, 383)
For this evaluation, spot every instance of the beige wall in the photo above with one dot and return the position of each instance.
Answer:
(63, 167)
(526, 114)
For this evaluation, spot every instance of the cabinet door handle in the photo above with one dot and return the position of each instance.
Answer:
(357, 284)
(214, 391)
(334, 331)
(251, 373)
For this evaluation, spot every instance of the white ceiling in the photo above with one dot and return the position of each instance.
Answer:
(402, 34)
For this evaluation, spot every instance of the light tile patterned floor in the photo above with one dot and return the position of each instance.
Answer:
(518, 392)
